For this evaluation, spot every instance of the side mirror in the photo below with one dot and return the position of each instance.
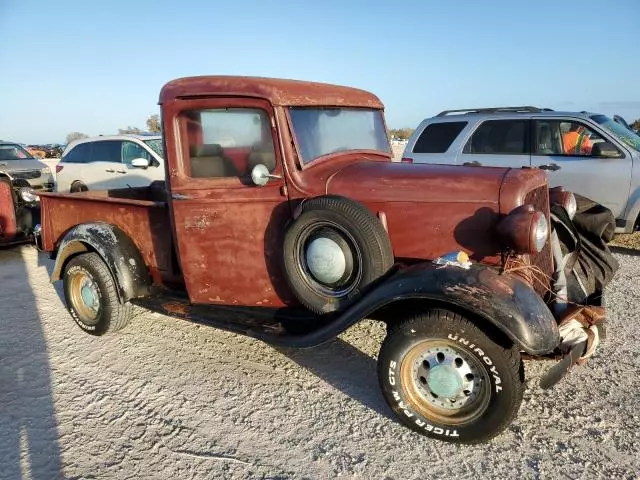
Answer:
(260, 175)
(605, 150)
(140, 163)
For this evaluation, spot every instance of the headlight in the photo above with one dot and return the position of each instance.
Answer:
(540, 233)
(567, 200)
(27, 194)
(525, 229)
(45, 170)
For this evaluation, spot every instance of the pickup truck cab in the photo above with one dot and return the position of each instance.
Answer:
(604, 167)
(283, 217)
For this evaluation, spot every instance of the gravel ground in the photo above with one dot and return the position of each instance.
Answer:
(168, 399)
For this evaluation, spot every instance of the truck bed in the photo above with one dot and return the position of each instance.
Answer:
(141, 212)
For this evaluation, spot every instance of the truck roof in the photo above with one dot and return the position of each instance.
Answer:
(278, 91)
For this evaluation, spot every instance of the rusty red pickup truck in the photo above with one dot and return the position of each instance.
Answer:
(283, 217)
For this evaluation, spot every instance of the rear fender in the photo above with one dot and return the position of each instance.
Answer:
(116, 249)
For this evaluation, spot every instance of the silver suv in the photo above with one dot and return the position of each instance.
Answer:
(18, 162)
(587, 153)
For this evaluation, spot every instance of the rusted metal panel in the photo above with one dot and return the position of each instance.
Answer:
(277, 91)
(146, 223)
(8, 225)
(231, 246)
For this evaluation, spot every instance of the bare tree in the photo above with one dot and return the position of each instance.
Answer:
(75, 136)
(129, 129)
(153, 124)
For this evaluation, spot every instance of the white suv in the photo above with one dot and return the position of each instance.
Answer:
(108, 162)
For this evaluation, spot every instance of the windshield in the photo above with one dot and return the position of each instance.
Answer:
(625, 135)
(13, 151)
(156, 146)
(321, 131)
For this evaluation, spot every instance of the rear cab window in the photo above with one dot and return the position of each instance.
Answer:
(438, 137)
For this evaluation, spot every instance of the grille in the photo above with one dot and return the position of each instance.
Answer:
(539, 199)
(27, 174)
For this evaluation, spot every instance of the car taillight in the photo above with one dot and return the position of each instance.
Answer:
(406, 160)
(59, 168)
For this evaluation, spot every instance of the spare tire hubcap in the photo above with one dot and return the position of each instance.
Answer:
(326, 260)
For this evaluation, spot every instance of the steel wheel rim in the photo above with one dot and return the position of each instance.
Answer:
(444, 392)
(85, 297)
(349, 284)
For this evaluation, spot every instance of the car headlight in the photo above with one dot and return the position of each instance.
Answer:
(46, 170)
(524, 229)
(28, 195)
(540, 232)
(567, 200)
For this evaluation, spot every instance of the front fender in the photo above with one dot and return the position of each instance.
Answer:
(501, 299)
(117, 250)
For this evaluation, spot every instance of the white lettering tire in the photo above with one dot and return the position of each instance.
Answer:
(446, 378)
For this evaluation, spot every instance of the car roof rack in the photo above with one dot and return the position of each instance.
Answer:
(525, 109)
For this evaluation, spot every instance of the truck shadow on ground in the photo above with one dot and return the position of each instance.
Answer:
(346, 368)
(28, 427)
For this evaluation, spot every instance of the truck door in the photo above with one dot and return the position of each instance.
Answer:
(229, 231)
(562, 147)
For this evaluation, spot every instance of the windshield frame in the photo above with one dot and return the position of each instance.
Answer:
(609, 125)
(303, 163)
(20, 148)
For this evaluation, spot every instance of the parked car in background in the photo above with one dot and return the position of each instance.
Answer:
(587, 153)
(108, 162)
(20, 164)
(19, 210)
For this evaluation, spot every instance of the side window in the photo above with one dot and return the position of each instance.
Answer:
(107, 151)
(438, 137)
(131, 150)
(505, 137)
(228, 142)
(81, 153)
(557, 137)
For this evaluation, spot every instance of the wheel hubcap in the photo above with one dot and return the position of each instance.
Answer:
(89, 295)
(445, 382)
(326, 260)
(85, 297)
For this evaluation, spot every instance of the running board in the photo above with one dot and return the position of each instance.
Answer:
(284, 327)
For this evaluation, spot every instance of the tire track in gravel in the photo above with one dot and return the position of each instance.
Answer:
(165, 398)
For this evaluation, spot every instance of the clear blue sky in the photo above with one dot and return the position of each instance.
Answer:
(94, 66)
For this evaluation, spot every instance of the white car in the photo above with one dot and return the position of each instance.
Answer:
(110, 161)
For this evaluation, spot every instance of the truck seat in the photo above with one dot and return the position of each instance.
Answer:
(208, 160)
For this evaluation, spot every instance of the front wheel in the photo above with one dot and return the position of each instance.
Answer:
(445, 378)
(91, 296)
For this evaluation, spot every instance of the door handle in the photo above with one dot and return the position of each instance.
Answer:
(110, 170)
(475, 163)
(552, 166)
(121, 171)
(180, 196)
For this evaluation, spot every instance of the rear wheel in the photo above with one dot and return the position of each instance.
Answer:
(445, 378)
(91, 296)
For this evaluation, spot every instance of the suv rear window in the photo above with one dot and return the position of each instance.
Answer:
(438, 137)
(507, 137)
(81, 153)
(107, 151)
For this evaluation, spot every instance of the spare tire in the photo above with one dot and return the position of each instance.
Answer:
(332, 251)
